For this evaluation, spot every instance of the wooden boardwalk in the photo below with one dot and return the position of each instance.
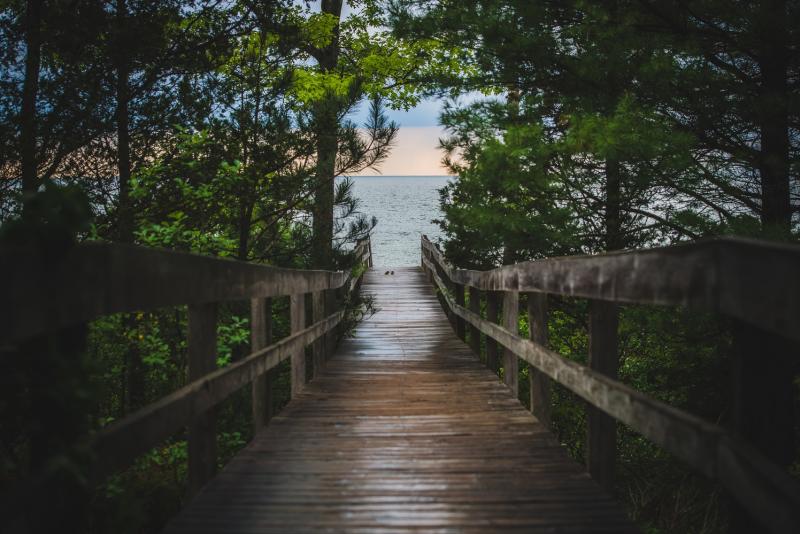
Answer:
(404, 431)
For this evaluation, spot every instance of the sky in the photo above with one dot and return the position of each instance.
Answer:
(415, 152)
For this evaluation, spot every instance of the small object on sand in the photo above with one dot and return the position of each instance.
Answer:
(387, 272)
(392, 272)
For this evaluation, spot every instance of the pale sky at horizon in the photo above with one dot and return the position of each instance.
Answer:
(415, 152)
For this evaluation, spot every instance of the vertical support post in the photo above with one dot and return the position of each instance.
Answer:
(451, 287)
(762, 401)
(491, 316)
(461, 325)
(318, 311)
(202, 351)
(511, 323)
(331, 306)
(475, 307)
(260, 337)
(297, 322)
(537, 332)
(428, 272)
(604, 358)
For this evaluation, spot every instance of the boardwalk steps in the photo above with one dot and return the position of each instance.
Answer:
(405, 430)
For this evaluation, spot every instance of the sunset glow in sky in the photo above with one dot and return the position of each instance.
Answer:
(415, 152)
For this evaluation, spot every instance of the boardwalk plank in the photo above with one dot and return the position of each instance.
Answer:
(404, 431)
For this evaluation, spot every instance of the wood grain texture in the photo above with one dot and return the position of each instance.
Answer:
(760, 486)
(538, 382)
(297, 322)
(461, 326)
(318, 348)
(260, 337)
(753, 281)
(601, 429)
(94, 279)
(404, 431)
(510, 323)
(202, 355)
(118, 444)
(475, 307)
(492, 315)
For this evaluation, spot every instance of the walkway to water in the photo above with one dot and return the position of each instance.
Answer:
(404, 431)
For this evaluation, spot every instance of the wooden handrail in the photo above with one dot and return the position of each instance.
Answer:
(96, 279)
(754, 281)
(760, 486)
(118, 444)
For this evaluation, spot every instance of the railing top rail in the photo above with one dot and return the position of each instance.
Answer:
(95, 279)
(754, 281)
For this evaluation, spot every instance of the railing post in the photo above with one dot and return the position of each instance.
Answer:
(511, 323)
(202, 352)
(762, 401)
(318, 314)
(427, 255)
(538, 381)
(297, 322)
(604, 358)
(491, 316)
(475, 307)
(331, 307)
(260, 337)
(461, 325)
(451, 287)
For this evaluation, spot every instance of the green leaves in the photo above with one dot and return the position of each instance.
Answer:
(231, 335)
(318, 29)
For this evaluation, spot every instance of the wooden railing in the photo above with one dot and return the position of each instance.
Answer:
(756, 284)
(96, 279)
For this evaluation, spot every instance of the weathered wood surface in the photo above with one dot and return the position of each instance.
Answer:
(95, 279)
(761, 487)
(202, 355)
(404, 431)
(475, 307)
(510, 323)
(297, 322)
(754, 281)
(117, 445)
(260, 337)
(601, 429)
(492, 314)
(538, 382)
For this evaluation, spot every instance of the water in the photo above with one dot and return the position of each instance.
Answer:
(404, 207)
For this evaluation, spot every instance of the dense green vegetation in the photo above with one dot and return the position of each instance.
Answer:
(611, 125)
(219, 127)
(211, 127)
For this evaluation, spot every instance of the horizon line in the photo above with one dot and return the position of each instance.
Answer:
(400, 175)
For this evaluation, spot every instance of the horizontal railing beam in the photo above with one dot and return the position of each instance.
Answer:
(760, 486)
(117, 445)
(750, 280)
(95, 279)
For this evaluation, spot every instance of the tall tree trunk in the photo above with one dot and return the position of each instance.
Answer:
(125, 213)
(773, 117)
(30, 90)
(613, 211)
(245, 224)
(327, 125)
(136, 370)
(512, 101)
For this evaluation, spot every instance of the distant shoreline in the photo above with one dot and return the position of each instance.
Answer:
(402, 176)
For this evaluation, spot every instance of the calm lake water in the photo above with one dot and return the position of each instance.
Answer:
(404, 207)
